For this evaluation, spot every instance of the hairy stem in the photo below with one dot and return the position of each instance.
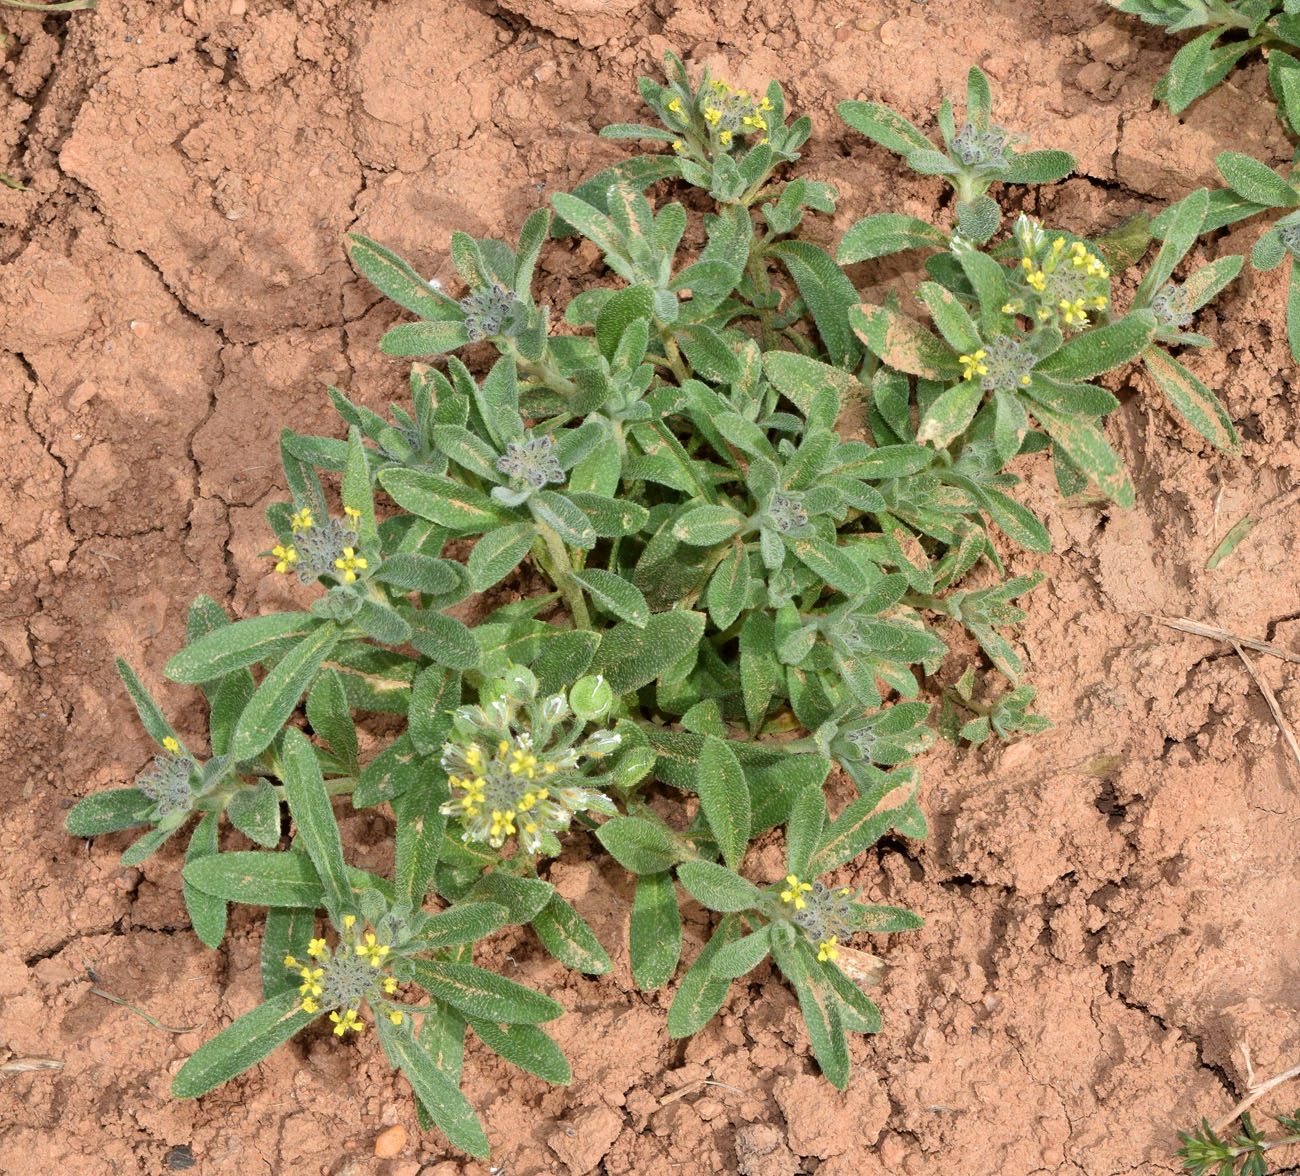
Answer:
(557, 565)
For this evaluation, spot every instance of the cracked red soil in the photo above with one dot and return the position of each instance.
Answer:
(1110, 906)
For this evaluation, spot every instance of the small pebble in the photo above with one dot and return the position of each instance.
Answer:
(891, 32)
(179, 1157)
(390, 1143)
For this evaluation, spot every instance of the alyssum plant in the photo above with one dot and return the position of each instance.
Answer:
(719, 566)
(1235, 29)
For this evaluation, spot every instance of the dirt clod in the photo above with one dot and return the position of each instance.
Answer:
(390, 1143)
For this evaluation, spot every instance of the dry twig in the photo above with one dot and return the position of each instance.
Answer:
(1199, 630)
(1256, 1092)
(1184, 625)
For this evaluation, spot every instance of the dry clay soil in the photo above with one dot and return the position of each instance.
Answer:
(1110, 907)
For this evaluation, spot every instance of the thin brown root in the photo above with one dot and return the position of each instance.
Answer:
(691, 1087)
(157, 1024)
(1240, 644)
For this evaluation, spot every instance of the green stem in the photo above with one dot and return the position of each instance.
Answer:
(755, 192)
(970, 187)
(675, 361)
(1259, 1148)
(560, 569)
(544, 372)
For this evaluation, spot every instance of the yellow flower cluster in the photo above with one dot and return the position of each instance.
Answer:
(826, 949)
(1072, 281)
(795, 891)
(302, 520)
(310, 988)
(732, 112)
(343, 981)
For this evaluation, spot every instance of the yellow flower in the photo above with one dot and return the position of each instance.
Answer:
(352, 513)
(766, 104)
(826, 950)
(390, 984)
(677, 144)
(316, 948)
(712, 116)
(395, 1016)
(1026, 381)
(310, 976)
(503, 825)
(290, 962)
(1073, 312)
(371, 950)
(973, 364)
(309, 1005)
(795, 891)
(725, 138)
(349, 921)
(301, 521)
(675, 106)
(349, 1020)
(349, 564)
(285, 557)
(171, 745)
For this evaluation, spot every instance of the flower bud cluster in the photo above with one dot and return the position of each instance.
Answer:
(974, 147)
(321, 549)
(824, 914)
(169, 782)
(532, 461)
(786, 512)
(1172, 307)
(494, 312)
(1007, 364)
